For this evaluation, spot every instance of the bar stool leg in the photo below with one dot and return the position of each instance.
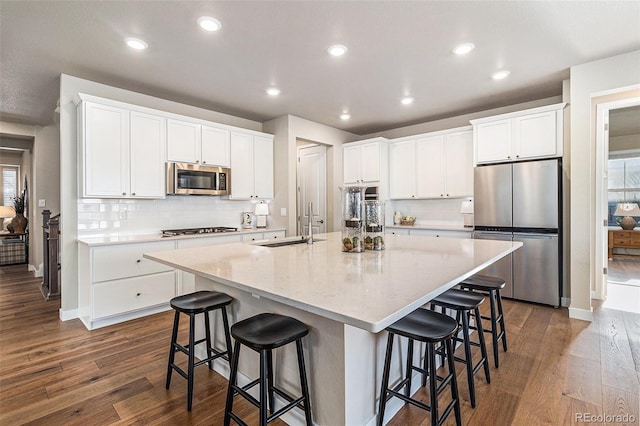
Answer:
(227, 335)
(303, 383)
(192, 330)
(385, 380)
(263, 387)
(483, 345)
(454, 382)
(501, 316)
(468, 359)
(172, 349)
(272, 408)
(494, 327)
(409, 369)
(207, 332)
(232, 382)
(433, 384)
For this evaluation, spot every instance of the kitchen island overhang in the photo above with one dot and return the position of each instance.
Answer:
(346, 298)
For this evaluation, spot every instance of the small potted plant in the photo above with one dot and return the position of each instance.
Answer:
(19, 222)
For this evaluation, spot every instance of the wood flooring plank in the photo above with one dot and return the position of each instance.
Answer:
(618, 368)
(632, 325)
(583, 380)
(623, 406)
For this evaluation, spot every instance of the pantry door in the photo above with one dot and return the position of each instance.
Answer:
(312, 187)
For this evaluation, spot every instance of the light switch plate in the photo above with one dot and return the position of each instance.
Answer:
(42, 203)
(283, 211)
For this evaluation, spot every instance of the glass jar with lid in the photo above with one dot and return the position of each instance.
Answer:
(353, 215)
(374, 225)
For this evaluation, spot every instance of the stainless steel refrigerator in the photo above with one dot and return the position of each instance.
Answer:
(522, 202)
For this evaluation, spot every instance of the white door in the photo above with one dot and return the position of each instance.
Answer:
(148, 142)
(351, 162)
(242, 169)
(215, 146)
(183, 141)
(402, 170)
(263, 164)
(312, 187)
(429, 172)
(458, 164)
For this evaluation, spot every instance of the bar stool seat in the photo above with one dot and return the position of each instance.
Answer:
(464, 303)
(491, 287)
(263, 333)
(192, 304)
(431, 328)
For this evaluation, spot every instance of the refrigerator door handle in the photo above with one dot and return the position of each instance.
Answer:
(538, 236)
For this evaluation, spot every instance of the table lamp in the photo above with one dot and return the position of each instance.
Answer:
(628, 211)
(261, 212)
(6, 214)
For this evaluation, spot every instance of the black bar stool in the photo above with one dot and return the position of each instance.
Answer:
(491, 287)
(263, 333)
(463, 302)
(200, 302)
(431, 328)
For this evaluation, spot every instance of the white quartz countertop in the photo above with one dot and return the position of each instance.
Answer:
(432, 227)
(126, 239)
(369, 290)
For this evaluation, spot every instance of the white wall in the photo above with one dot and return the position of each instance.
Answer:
(589, 80)
(142, 211)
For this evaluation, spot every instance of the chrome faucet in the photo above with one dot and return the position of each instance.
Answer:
(310, 213)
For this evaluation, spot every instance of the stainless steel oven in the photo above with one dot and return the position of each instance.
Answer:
(196, 179)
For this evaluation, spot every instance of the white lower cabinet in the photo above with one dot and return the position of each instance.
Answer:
(117, 284)
(428, 232)
(257, 236)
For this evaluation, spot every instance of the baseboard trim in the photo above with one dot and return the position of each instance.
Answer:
(581, 314)
(68, 315)
(37, 272)
(565, 302)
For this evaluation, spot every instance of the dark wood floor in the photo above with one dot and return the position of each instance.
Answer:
(58, 373)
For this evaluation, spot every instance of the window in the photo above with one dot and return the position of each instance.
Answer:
(9, 183)
(624, 183)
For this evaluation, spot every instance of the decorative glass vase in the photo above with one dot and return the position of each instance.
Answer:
(353, 219)
(374, 225)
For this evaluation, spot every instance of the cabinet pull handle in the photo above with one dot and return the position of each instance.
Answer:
(517, 156)
(124, 193)
(138, 294)
(138, 261)
(133, 193)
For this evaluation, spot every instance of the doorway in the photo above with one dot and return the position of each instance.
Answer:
(312, 187)
(618, 180)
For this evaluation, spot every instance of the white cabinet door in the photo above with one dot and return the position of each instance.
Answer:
(351, 164)
(493, 141)
(241, 166)
(183, 141)
(105, 134)
(263, 167)
(535, 135)
(458, 164)
(147, 152)
(429, 167)
(370, 162)
(215, 146)
(402, 169)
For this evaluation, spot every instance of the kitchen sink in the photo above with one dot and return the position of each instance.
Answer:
(287, 242)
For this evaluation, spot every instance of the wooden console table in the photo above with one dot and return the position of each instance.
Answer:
(623, 239)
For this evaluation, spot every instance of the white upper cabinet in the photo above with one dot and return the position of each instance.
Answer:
(198, 144)
(364, 161)
(122, 152)
(436, 165)
(523, 135)
(183, 141)
(215, 146)
(251, 167)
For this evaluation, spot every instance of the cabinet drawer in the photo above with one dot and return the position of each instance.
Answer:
(122, 261)
(272, 235)
(116, 297)
(210, 241)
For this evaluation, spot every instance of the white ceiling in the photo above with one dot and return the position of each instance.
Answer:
(396, 48)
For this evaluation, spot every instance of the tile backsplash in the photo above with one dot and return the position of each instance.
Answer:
(438, 212)
(116, 217)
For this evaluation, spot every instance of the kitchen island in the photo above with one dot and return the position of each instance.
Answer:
(346, 299)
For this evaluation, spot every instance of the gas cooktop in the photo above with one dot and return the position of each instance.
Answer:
(191, 231)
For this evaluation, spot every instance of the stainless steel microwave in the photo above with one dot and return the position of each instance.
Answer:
(196, 179)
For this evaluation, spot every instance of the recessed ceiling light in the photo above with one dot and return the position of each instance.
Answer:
(136, 43)
(208, 23)
(463, 49)
(337, 50)
(407, 100)
(345, 116)
(273, 91)
(499, 75)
